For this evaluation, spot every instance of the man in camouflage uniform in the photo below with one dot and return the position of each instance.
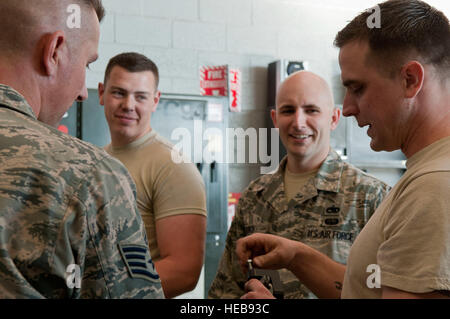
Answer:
(325, 210)
(69, 225)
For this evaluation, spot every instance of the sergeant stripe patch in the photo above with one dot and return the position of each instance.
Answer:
(138, 261)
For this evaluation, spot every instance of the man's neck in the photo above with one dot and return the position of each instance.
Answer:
(426, 135)
(432, 122)
(299, 165)
(119, 140)
(18, 78)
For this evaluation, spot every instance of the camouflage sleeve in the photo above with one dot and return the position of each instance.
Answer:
(229, 281)
(380, 194)
(111, 249)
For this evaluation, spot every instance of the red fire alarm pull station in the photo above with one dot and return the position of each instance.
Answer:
(222, 81)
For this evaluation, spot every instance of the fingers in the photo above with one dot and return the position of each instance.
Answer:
(248, 247)
(256, 290)
(267, 251)
(266, 261)
(258, 247)
(243, 254)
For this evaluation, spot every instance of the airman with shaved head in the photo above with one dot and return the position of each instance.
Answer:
(314, 197)
(69, 225)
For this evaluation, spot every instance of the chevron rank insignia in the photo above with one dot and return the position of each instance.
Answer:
(138, 261)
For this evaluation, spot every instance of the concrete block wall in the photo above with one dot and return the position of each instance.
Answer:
(182, 35)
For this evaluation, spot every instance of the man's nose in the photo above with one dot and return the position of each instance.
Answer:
(83, 94)
(349, 107)
(300, 118)
(128, 103)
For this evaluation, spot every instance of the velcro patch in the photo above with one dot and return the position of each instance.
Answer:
(138, 261)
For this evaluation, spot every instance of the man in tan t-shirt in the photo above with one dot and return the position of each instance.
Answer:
(170, 196)
(398, 83)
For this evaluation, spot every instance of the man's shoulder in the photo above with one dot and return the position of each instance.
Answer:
(161, 143)
(160, 148)
(42, 145)
(433, 183)
(82, 153)
(356, 176)
(168, 156)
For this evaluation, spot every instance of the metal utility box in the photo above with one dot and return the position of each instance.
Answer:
(278, 71)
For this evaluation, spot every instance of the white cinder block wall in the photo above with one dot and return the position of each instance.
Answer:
(182, 35)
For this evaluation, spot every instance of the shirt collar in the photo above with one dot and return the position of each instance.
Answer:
(135, 144)
(11, 99)
(328, 178)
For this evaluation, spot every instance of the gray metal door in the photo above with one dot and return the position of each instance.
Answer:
(190, 113)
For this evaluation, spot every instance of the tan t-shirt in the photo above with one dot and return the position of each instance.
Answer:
(164, 188)
(408, 237)
(293, 182)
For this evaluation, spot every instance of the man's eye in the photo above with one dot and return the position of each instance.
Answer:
(141, 98)
(117, 93)
(358, 90)
(286, 111)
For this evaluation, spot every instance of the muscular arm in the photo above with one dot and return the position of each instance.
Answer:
(181, 241)
(322, 275)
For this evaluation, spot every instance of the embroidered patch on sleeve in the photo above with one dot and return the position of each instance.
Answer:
(138, 261)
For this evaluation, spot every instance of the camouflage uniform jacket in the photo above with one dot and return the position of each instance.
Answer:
(69, 225)
(327, 214)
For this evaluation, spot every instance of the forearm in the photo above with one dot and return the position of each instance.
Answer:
(177, 277)
(322, 275)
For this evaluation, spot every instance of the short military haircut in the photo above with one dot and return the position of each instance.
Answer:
(26, 23)
(98, 7)
(409, 29)
(132, 62)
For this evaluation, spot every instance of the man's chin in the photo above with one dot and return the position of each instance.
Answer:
(375, 146)
(297, 153)
(380, 147)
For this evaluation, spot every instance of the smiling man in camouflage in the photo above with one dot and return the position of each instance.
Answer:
(314, 197)
(69, 225)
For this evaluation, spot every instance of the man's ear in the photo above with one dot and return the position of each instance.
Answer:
(336, 115)
(273, 115)
(101, 91)
(412, 74)
(53, 51)
(156, 100)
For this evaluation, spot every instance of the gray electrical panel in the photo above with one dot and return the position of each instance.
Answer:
(182, 116)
